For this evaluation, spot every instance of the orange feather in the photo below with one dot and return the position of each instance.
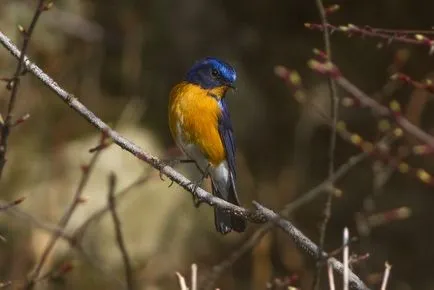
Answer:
(196, 114)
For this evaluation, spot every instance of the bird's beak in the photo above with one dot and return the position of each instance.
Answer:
(232, 87)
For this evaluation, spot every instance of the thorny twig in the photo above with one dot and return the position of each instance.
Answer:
(334, 100)
(118, 230)
(14, 82)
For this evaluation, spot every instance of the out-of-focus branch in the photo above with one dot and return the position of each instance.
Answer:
(8, 205)
(351, 29)
(118, 231)
(78, 234)
(334, 100)
(14, 83)
(86, 172)
(386, 276)
(394, 112)
(308, 246)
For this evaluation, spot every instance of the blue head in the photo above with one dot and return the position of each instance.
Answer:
(211, 72)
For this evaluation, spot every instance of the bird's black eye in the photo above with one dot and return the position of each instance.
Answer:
(214, 73)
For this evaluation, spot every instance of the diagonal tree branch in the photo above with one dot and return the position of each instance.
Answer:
(261, 215)
(14, 83)
(127, 145)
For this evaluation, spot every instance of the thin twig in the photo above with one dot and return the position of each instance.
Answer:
(308, 246)
(96, 215)
(351, 29)
(346, 254)
(14, 83)
(118, 230)
(364, 100)
(331, 276)
(388, 267)
(86, 172)
(334, 100)
(399, 31)
(193, 277)
(181, 281)
(11, 204)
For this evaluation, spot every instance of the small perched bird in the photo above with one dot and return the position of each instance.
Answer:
(200, 124)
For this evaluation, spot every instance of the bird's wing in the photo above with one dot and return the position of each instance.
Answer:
(227, 136)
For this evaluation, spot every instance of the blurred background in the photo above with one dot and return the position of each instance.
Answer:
(120, 58)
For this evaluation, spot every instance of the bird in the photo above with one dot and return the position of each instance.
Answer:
(201, 127)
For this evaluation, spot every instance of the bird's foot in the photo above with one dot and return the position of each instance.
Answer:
(197, 201)
(196, 184)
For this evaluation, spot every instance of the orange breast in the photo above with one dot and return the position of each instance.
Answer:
(197, 115)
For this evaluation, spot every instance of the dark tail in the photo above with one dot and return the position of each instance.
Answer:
(225, 222)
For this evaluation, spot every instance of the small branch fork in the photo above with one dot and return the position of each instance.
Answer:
(260, 215)
(14, 82)
(334, 100)
(77, 200)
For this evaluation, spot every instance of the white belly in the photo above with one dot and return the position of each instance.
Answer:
(220, 174)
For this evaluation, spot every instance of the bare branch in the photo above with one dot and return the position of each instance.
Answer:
(193, 276)
(78, 233)
(331, 276)
(86, 172)
(329, 68)
(332, 147)
(308, 246)
(388, 267)
(181, 281)
(389, 36)
(346, 254)
(13, 84)
(13, 203)
(118, 230)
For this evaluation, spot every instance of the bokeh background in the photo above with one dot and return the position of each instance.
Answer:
(120, 58)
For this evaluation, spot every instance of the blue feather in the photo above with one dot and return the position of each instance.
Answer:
(227, 136)
(211, 72)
